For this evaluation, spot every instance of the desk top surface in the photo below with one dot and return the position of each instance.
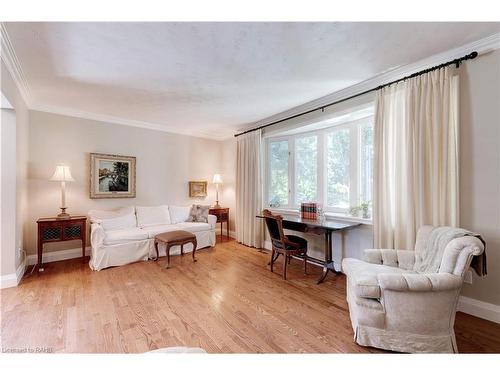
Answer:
(320, 223)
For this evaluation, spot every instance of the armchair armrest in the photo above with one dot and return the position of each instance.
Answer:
(404, 259)
(212, 220)
(409, 282)
(97, 235)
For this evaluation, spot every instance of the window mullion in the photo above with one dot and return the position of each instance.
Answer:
(321, 170)
(291, 172)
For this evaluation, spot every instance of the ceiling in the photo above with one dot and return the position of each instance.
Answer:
(212, 79)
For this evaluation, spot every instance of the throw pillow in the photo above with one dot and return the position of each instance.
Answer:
(199, 213)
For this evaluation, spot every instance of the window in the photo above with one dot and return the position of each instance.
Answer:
(332, 166)
(278, 173)
(338, 168)
(306, 169)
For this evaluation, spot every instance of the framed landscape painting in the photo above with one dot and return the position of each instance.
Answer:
(112, 176)
(197, 189)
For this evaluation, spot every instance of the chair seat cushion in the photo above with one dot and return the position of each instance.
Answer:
(118, 236)
(364, 276)
(299, 240)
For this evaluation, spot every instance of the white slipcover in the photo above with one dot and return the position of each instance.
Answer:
(122, 246)
(395, 308)
(154, 215)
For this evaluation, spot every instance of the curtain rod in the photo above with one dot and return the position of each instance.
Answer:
(457, 63)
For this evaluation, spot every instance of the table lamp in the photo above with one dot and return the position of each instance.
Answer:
(217, 180)
(62, 174)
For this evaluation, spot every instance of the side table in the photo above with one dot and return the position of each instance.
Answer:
(52, 229)
(222, 217)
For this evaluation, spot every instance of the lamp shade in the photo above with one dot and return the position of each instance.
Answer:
(62, 173)
(217, 179)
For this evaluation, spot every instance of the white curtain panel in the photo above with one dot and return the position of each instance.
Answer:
(249, 229)
(416, 157)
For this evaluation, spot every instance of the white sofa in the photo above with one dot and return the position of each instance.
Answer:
(127, 235)
(394, 306)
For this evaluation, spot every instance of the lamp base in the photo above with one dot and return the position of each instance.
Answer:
(63, 215)
(217, 205)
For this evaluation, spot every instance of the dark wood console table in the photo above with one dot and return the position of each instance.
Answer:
(320, 226)
(52, 229)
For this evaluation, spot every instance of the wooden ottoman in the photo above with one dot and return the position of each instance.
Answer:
(174, 238)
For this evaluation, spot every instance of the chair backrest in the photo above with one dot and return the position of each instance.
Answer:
(274, 225)
(457, 254)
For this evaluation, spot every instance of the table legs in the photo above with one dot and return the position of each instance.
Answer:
(40, 252)
(167, 250)
(328, 265)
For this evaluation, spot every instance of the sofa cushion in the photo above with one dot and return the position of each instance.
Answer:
(157, 229)
(154, 215)
(179, 214)
(122, 218)
(194, 227)
(364, 276)
(119, 223)
(118, 236)
(97, 215)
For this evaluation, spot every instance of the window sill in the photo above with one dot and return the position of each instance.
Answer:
(329, 215)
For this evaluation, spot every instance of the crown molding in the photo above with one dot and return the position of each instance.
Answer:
(482, 46)
(71, 112)
(9, 57)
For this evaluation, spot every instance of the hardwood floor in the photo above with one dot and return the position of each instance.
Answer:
(227, 302)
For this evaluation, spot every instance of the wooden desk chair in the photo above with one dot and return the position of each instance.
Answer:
(286, 245)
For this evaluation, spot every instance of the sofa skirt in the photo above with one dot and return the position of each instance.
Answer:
(404, 342)
(118, 255)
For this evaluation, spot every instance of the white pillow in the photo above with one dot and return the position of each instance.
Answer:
(121, 222)
(96, 216)
(179, 214)
(155, 215)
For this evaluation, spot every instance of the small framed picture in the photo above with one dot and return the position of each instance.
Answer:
(112, 176)
(197, 189)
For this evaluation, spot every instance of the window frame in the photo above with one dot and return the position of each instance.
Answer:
(354, 127)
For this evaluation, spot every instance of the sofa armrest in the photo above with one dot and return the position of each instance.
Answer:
(410, 282)
(212, 220)
(404, 259)
(97, 235)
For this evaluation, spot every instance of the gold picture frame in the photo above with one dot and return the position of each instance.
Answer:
(112, 176)
(198, 189)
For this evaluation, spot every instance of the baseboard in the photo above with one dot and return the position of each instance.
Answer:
(232, 234)
(13, 279)
(479, 309)
(55, 256)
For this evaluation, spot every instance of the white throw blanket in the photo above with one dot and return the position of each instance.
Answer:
(435, 245)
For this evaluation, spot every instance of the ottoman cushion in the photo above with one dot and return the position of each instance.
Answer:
(175, 236)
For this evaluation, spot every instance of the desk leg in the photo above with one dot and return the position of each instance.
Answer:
(328, 265)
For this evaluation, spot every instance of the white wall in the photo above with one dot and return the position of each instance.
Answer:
(480, 165)
(8, 191)
(165, 164)
(18, 178)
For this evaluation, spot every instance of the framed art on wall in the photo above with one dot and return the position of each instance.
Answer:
(112, 176)
(197, 189)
